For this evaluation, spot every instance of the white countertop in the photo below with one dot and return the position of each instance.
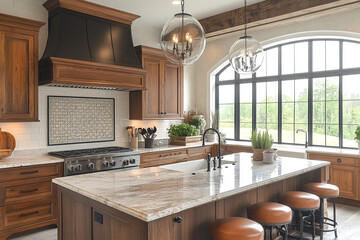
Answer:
(153, 193)
(30, 160)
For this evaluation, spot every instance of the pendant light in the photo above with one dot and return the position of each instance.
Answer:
(182, 38)
(246, 54)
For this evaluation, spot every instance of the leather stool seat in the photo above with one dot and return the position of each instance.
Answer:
(300, 200)
(270, 213)
(236, 228)
(322, 190)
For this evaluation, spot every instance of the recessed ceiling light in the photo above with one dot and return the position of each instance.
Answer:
(176, 2)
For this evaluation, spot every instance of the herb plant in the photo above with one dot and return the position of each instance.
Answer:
(182, 130)
(357, 133)
(261, 140)
(199, 122)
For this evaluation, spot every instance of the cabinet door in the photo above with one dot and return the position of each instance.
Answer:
(172, 91)
(166, 228)
(346, 178)
(152, 94)
(18, 86)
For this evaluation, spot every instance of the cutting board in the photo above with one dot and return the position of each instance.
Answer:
(7, 141)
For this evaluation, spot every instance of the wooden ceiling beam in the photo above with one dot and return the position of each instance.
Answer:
(270, 11)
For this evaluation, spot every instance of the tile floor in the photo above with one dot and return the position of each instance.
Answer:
(348, 219)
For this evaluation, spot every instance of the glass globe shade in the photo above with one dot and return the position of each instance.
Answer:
(183, 39)
(246, 55)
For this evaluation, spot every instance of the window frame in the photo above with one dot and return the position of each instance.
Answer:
(310, 75)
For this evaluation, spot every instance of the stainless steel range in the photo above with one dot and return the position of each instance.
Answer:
(98, 159)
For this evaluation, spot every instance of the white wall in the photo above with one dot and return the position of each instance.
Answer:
(217, 49)
(34, 135)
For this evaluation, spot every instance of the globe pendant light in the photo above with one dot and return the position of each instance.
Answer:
(246, 54)
(182, 38)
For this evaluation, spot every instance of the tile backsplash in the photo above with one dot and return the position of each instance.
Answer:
(33, 135)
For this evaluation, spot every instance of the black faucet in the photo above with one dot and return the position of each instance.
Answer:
(306, 138)
(208, 160)
(203, 140)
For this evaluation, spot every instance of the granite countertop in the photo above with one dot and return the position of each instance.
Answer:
(30, 160)
(153, 193)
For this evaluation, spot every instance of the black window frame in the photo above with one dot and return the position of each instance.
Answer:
(310, 75)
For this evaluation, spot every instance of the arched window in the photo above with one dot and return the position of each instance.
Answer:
(311, 84)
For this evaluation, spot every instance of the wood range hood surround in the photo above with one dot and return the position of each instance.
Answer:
(90, 46)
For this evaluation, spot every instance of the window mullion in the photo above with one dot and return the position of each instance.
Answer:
(310, 94)
(341, 126)
(279, 97)
(237, 107)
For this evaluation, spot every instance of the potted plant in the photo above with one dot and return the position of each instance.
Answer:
(357, 136)
(260, 141)
(211, 135)
(184, 134)
(199, 122)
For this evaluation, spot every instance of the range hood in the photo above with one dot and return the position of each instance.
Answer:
(90, 46)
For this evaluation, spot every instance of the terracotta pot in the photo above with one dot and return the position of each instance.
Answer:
(258, 154)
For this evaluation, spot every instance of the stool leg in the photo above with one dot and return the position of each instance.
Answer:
(301, 218)
(270, 232)
(313, 224)
(265, 235)
(286, 232)
(335, 223)
(321, 218)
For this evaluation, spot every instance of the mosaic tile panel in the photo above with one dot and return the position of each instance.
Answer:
(80, 120)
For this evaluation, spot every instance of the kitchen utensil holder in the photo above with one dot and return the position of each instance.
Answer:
(134, 142)
(149, 142)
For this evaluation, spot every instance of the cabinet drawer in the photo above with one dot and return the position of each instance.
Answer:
(29, 213)
(19, 191)
(336, 159)
(21, 173)
(163, 156)
(198, 150)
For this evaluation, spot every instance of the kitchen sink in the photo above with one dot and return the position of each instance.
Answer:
(193, 166)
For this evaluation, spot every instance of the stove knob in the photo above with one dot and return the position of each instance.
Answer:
(91, 166)
(71, 168)
(106, 163)
(132, 161)
(126, 162)
(112, 163)
(78, 167)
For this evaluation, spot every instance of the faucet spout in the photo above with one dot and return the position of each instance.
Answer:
(219, 138)
(306, 136)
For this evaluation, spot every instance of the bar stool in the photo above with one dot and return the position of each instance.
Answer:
(302, 203)
(269, 215)
(236, 228)
(324, 191)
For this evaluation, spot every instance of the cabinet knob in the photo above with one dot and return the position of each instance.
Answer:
(178, 219)
(339, 160)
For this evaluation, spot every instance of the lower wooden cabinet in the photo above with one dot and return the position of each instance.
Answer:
(344, 173)
(28, 198)
(346, 178)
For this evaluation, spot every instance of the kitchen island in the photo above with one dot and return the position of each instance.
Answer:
(173, 203)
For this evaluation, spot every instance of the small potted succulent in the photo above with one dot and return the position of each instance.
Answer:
(260, 141)
(357, 136)
(184, 134)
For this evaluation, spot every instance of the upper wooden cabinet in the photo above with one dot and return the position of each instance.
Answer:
(19, 69)
(163, 97)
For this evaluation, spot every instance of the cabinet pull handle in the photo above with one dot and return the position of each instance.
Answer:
(29, 191)
(28, 214)
(339, 160)
(178, 219)
(32, 172)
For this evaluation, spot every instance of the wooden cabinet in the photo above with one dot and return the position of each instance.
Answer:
(19, 69)
(27, 198)
(174, 156)
(344, 173)
(163, 97)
